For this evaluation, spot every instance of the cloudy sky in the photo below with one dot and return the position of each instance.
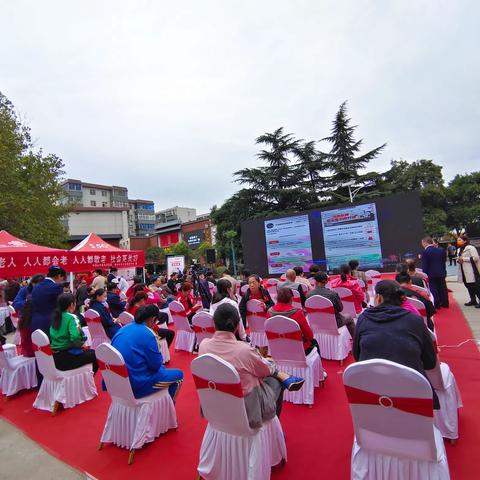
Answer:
(167, 98)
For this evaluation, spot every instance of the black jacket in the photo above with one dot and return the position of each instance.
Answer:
(394, 334)
(115, 304)
(267, 300)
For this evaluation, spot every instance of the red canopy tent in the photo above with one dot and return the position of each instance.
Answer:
(93, 252)
(20, 258)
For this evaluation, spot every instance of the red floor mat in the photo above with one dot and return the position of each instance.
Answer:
(319, 439)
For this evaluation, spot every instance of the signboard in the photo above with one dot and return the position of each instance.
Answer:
(195, 238)
(175, 264)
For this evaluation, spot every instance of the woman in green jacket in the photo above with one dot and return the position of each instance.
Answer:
(67, 337)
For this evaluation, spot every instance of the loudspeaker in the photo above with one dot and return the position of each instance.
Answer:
(211, 257)
(139, 271)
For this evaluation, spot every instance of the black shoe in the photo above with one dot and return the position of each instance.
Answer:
(477, 305)
(470, 304)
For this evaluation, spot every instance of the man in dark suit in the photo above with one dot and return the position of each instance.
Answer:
(434, 261)
(44, 298)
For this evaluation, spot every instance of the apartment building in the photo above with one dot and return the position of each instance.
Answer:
(107, 210)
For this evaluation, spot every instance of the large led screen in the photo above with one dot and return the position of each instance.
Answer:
(288, 243)
(379, 233)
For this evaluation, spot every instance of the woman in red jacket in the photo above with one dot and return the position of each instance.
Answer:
(285, 308)
(347, 281)
(185, 297)
(139, 300)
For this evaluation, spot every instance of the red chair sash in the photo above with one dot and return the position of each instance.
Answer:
(328, 309)
(46, 349)
(418, 406)
(118, 369)
(297, 300)
(181, 313)
(348, 298)
(234, 389)
(94, 320)
(296, 335)
(198, 329)
(258, 314)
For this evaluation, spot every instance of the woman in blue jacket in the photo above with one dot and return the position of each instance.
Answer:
(98, 302)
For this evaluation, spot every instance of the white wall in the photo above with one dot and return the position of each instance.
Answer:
(106, 223)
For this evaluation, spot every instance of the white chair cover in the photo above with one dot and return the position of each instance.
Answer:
(14, 318)
(126, 318)
(10, 350)
(202, 324)
(185, 336)
(446, 419)
(346, 296)
(296, 301)
(392, 412)
(271, 282)
(95, 328)
(243, 289)
(88, 341)
(373, 277)
(273, 291)
(230, 448)
(164, 346)
(167, 311)
(256, 317)
(286, 347)
(212, 288)
(334, 342)
(312, 282)
(69, 387)
(18, 372)
(131, 422)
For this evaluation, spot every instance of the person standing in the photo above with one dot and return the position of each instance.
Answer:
(44, 298)
(452, 252)
(99, 281)
(469, 269)
(434, 264)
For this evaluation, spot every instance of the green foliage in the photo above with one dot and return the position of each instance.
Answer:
(464, 201)
(30, 206)
(180, 248)
(155, 255)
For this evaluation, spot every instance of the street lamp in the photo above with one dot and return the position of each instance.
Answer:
(351, 183)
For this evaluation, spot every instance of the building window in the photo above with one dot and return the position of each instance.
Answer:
(74, 186)
(104, 204)
(92, 191)
(104, 193)
(93, 203)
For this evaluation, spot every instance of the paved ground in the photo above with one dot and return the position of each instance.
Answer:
(22, 458)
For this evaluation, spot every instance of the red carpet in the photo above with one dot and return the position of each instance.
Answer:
(318, 439)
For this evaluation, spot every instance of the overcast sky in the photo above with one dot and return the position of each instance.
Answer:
(167, 98)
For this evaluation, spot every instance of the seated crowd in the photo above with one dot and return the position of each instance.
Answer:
(391, 329)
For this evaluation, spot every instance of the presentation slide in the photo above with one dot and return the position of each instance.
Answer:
(288, 243)
(352, 229)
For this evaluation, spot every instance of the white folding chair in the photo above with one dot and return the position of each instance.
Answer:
(131, 422)
(125, 318)
(271, 282)
(17, 372)
(348, 302)
(95, 328)
(243, 289)
(373, 277)
(285, 345)
(445, 386)
(312, 282)
(69, 387)
(420, 307)
(185, 336)
(334, 342)
(230, 448)
(392, 412)
(202, 324)
(256, 317)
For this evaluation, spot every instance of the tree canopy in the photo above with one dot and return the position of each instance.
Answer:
(30, 206)
(295, 175)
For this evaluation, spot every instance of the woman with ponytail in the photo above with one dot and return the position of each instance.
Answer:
(347, 281)
(67, 337)
(393, 333)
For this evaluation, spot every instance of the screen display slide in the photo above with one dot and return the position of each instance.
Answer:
(288, 243)
(352, 230)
